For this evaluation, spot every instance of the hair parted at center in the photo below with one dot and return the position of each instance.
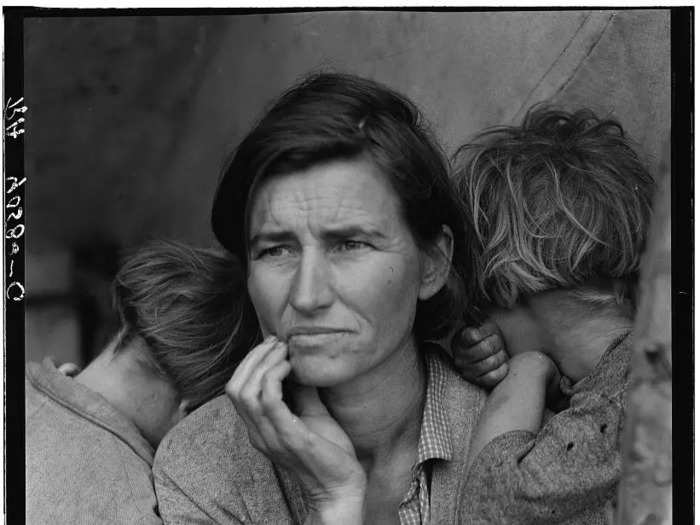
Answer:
(560, 201)
(331, 117)
(186, 305)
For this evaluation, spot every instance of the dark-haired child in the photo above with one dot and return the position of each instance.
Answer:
(91, 434)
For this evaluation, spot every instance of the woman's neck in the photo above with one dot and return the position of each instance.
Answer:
(381, 412)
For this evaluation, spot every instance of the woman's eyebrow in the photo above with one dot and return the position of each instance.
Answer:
(329, 234)
(346, 232)
(271, 236)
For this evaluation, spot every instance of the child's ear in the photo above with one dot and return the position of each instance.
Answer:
(437, 261)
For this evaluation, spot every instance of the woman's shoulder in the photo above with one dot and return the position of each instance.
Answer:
(461, 395)
(460, 400)
(206, 469)
(213, 429)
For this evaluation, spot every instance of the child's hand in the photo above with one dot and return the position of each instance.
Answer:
(480, 355)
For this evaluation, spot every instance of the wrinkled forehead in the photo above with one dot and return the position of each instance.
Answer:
(333, 193)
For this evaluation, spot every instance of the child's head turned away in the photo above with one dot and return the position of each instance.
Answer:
(561, 201)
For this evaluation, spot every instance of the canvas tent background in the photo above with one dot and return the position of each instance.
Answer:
(131, 117)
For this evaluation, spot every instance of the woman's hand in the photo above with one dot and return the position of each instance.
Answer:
(310, 444)
(480, 354)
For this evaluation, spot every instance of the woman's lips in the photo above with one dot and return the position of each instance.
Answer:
(314, 337)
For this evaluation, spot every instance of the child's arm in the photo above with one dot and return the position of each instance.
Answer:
(518, 401)
(567, 470)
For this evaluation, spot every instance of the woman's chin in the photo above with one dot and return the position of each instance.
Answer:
(311, 372)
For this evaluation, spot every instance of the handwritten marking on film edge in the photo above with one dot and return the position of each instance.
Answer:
(14, 127)
(14, 121)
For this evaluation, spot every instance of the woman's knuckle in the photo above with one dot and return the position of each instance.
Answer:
(268, 380)
(252, 408)
(490, 376)
(484, 347)
(495, 342)
(497, 359)
(267, 405)
(268, 398)
(289, 441)
(306, 441)
(487, 364)
(465, 337)
(244, 399)
(232, 390)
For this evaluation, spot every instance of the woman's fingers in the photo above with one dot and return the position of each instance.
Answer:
(271, 383)
(245, 389)
(489, 364)
(466, 337)
(467, 355)
(311, 444)
(486, 372)
(492, 378)
(251, 390)
(274, 408)
(472, 335)
(249, 364)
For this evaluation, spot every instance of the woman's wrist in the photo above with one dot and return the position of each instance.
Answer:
(345, 505)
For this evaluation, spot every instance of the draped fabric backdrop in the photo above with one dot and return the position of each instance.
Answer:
(131, 117)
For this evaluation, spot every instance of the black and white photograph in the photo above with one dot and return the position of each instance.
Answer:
(399, 265)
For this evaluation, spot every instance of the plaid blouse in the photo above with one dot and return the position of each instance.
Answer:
(434, 443)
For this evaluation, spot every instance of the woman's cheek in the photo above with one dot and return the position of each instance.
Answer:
(264, 294)
(392, 284)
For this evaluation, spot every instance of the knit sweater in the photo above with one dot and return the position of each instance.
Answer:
(85, 461)
(567, 472)
(206, 470)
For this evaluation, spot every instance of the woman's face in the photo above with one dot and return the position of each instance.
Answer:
(334, 270)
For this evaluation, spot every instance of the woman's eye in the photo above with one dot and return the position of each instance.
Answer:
(275, 251)
(350, 245)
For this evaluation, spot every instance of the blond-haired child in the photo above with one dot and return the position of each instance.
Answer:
(560, 206)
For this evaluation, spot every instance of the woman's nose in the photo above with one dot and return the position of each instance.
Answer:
(311, 289)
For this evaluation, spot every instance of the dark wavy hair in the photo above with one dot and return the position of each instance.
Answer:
(186, 305)
(337, 116)
(560, 201)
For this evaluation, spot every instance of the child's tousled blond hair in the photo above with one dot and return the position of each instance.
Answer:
(560, 201)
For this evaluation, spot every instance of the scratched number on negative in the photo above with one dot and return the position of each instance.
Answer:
(13, 117)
